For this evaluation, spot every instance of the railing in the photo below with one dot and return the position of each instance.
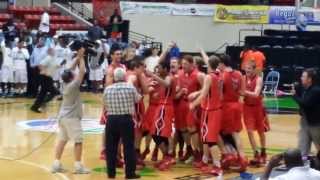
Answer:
(134, 36)
(141, 38)
(249, 30)
(78, 8)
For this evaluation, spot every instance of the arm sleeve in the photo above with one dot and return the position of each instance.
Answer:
(26, 54)
(311, 98)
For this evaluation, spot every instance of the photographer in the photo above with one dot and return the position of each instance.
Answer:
(307, 95)
(70, 116)
(294, 163)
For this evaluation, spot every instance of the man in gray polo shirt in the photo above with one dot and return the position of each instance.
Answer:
(70, 116)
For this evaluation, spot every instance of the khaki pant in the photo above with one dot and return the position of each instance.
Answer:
(70, 129)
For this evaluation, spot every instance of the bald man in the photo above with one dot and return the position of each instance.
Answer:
(119, 99)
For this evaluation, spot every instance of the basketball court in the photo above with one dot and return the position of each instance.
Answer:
(27, 141)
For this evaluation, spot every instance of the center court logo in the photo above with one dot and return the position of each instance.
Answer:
(89, 126)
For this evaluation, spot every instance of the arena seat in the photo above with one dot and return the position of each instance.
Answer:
(22, 10)
(31, 16)
(76, 26)
(4, 16)
(34, 20)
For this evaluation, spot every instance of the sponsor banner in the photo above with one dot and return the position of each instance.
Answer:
(89, 126)
(193, 10)
(242, 14)
(287, 15)
(145, 8)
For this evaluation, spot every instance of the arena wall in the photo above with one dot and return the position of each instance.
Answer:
(188, 31)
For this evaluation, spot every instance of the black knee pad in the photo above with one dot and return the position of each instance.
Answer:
(210, 144)
(159, 140)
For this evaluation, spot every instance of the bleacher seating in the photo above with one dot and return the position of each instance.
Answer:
(281, 41)
(300, 34)
(30, 18)
(4, 17)
(34, 20)
(55, 27)
(36, 10)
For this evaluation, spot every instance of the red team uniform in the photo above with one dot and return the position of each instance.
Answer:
(150, 112)
(211, 111)
(138, 115)
(231, 107)
(164, 114)
(253, 111)
(187, 118)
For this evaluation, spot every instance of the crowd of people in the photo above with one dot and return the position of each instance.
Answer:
(193, 115)
(193, 108)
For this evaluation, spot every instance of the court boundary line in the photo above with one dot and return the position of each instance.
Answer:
(60, 175)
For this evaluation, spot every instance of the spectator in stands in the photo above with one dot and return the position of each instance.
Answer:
(295, 165)
(115, 24)
(44, 26)
(95, 32)
(152, 59)
(115, 15)
(307, 95)
(175, 51)
(301, 22)
(10, 31)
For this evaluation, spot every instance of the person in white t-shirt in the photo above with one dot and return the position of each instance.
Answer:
(7, 69)
(293, 161)
(20, 55)
(106, 52)
(95, 67)
(63, 55)
(44, 26)
(153, 60)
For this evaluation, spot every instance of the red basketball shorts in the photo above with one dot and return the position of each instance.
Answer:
(253, 116)
(231, 119)
(210, 125)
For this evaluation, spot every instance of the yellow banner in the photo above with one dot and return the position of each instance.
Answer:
(242, 14)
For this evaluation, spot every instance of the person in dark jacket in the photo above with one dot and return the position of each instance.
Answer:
(95, 32)
(307, 95)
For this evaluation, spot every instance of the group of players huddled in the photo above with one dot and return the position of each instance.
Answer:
(195, 115)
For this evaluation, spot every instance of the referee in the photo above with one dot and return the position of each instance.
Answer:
(120, 99)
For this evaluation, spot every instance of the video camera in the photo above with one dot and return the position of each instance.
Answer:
(89, 46)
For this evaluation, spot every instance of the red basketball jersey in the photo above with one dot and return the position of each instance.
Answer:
(189, 81)
(231, 86)
(214, 99)
(112, 67)
(167, 94)
(251, 83)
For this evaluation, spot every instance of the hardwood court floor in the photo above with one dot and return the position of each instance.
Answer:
(16, 142)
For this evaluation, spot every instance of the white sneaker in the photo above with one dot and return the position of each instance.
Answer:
(81, 170)
(189, 161)
(57, 168)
